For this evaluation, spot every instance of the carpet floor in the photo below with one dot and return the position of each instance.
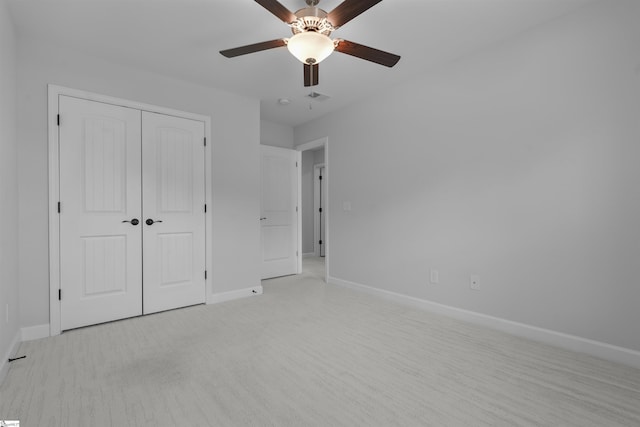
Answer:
(306, 353)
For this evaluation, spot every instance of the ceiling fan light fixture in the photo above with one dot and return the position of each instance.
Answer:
(310, 47)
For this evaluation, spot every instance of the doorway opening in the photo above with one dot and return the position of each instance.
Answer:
(313, 221)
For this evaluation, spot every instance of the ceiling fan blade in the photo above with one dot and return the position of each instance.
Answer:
(310, 75)
(349, 9)
(257, 47)
(367, 53)
(278, 10)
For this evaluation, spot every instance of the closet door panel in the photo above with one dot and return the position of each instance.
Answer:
(173, 210)
(100, 187)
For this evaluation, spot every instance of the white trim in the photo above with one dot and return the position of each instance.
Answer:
(299, 211)
(54, 219)
(240, 293)
(316, 143)
(31, 333)
(54, 92)
(208, 195)
(4, 363)
(569, 342)
(319, 143)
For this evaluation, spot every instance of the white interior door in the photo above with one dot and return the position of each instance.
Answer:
(100, 189)
(321, 211)
(173, 212)
(279, 218)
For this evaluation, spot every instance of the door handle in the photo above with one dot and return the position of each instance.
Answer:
(149, 221)
(134, 221)
(263, 218)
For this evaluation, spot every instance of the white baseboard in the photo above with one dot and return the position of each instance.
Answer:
(4, 363)
(231, 295)
(569, 342)
(308, 254)
(31, 333)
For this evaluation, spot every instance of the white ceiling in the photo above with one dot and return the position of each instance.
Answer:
(181, 38)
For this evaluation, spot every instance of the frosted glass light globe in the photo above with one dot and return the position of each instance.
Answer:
(310, 47)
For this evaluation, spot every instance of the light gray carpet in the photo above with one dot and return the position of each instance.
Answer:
(314, 267)
(310, 354)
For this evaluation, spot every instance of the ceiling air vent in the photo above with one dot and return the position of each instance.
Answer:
(316, 96)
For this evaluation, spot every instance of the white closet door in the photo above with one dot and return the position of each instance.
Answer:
(100, 258)
(279, 219)
(173, 213)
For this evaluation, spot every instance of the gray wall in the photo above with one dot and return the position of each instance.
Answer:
(276, 134)
(235, 137)
(318, 156)
(9, 288)
(519, 164)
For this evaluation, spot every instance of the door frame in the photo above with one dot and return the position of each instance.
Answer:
(54, 91)
(318, 192)
(311, 145)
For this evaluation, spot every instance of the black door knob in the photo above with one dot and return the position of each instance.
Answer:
(134, 221)
(149, 221)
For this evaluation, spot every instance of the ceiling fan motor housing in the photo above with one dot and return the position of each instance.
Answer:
(311, 19)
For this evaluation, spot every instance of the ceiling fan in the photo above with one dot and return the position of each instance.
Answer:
(311, 27)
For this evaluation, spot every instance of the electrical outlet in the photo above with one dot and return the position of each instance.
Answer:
(434, 277)
(474, 282)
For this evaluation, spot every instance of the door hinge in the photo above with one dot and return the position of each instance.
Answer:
(58, 119)
(205, 141)
(320, 242)
(297, 253)
(296, 209)
(296, 164)
(59, 294)
(59, 207)
(205, 275)
(320, 177)
(205, 208)
(320, 210)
